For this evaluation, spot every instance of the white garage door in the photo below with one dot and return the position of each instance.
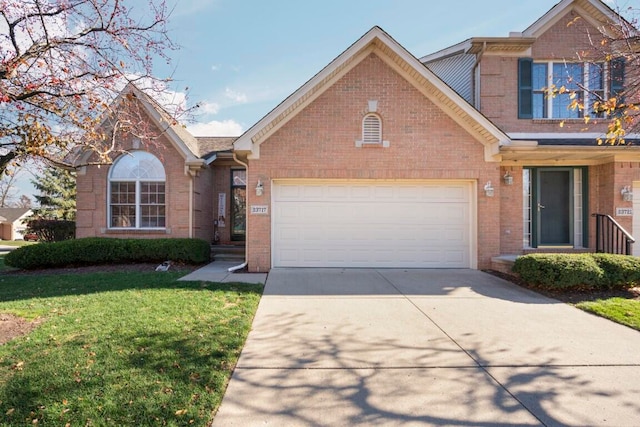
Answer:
(372, 224)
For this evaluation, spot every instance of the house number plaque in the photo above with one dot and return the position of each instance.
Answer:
(259, 210)
(624, 211)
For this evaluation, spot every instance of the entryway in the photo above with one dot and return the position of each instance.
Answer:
(555, 207)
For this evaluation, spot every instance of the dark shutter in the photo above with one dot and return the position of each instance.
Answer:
(616, 67)
(525, 88)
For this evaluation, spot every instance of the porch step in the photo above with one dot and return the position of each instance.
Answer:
(503, 263)
(228, 253)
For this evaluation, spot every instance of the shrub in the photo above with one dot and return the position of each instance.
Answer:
(52, 230)
(98, 250)
(621, 271)
(561, 271)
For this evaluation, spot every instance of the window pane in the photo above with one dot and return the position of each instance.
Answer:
(136, 165)
(561, 108)
(567, 75)
(239, 178)
(123, 216)
(152, 216)
(539, 105)
(539, 76)
(152, 210)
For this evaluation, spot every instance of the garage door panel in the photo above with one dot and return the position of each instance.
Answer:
(371, 225)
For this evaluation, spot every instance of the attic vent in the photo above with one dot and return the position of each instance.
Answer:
(372, 131)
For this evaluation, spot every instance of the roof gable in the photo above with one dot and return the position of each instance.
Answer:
(378, 42)
(11, 215)
(593, 11)
(185, 143)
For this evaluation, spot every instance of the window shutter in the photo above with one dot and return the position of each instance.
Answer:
(617, 76)
(371, 129)
(525, 88)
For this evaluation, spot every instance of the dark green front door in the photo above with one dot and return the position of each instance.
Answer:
(554, 207)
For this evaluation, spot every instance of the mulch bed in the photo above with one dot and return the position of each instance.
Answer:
(110, 268)
(572, 296)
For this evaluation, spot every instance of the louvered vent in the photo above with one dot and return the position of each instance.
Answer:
(371, 129)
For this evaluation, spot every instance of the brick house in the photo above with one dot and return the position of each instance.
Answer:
(386, 160)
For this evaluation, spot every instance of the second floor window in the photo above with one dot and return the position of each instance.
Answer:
(587, 80)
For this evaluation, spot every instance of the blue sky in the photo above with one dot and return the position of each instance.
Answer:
(240, 58)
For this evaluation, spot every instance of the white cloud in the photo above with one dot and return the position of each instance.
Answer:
(238, 97)
(215, 67)
(216, 128)
(208, 108)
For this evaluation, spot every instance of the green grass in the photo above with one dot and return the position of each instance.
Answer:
(621, 310)
(3, 266)
(121, 348)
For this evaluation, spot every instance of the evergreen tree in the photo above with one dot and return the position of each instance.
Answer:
(57, 196)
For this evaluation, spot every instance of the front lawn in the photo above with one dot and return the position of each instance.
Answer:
(620, 310)
(125, 348)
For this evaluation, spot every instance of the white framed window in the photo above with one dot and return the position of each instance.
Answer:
(137, 192)
(586, 80)
(372, 131)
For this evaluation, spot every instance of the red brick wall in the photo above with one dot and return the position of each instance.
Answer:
(608, 181)
(511, 212)
(319, 142)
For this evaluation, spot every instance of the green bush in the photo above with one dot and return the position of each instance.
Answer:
(560, 271)
(98, 250)
(621, 271)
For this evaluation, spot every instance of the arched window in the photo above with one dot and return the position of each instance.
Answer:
(137, 192)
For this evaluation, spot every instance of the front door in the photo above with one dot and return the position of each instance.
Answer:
(238, 204)
(554, 207)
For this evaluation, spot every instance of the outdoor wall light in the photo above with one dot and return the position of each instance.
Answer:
(627, 194)
(259, 188)
(488, 189)
(508, 178)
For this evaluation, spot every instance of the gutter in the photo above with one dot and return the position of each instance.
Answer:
(246, 207)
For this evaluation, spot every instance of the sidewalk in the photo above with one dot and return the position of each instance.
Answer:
(218, 272)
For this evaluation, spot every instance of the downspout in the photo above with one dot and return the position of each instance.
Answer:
(190, 206)
(246, 207)
(476, 97)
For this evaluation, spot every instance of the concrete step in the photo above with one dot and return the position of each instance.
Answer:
(228, 253)
(229, 257)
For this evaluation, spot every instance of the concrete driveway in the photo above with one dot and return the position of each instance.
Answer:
(428, 347)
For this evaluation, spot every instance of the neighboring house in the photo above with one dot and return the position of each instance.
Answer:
(377, 162)
(13, 223)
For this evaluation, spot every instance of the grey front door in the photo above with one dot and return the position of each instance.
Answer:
(555, 201)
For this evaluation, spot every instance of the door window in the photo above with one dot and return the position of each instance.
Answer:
(238, 204)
